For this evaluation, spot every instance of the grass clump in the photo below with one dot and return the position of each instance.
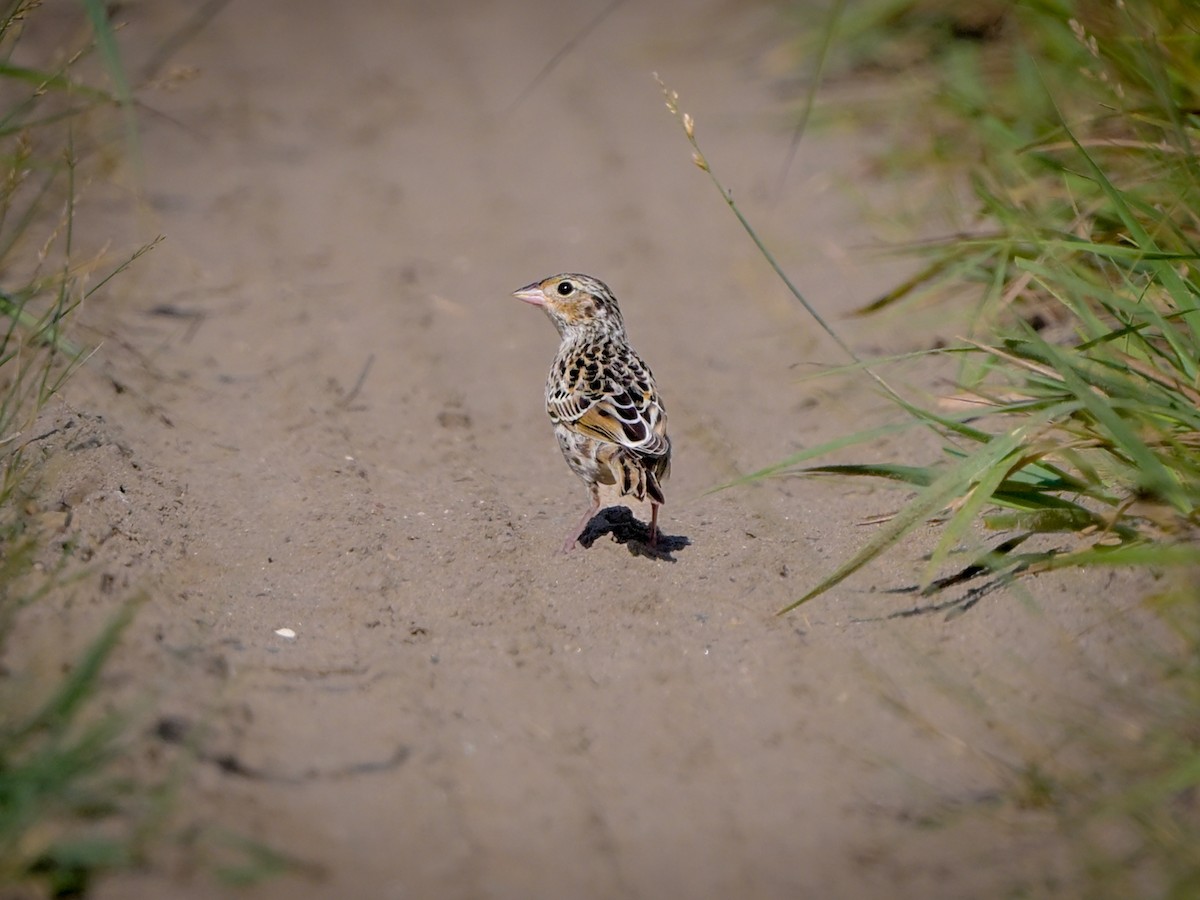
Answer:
(64, 813)
(1075, 127)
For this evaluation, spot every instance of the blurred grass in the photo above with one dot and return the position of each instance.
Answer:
(65, 812)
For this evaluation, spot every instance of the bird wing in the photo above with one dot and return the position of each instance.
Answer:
(625, 410)
(634, 421)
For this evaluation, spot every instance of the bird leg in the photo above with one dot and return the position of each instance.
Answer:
(587, 517)
(653, 524)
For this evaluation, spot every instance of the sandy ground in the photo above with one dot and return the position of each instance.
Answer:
(317, 407)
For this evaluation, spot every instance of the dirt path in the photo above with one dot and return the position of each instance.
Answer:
(322, 412)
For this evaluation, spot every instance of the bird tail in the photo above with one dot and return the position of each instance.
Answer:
(653, 487)
(642, 475)
(658, 469)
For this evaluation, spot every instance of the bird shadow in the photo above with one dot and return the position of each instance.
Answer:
(619, 522)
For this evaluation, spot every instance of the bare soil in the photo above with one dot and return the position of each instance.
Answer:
(317, 407)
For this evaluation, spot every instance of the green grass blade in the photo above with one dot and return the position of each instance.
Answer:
(80, 682)
(953, 483)
(56, 81)
(106, 43)
(1155, 476)
(979, 493)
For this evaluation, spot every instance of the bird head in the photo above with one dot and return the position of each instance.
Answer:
(576, 304)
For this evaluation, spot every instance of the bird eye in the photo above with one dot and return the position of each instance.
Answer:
(565, 287)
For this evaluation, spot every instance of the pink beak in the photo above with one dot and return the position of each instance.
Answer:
(531, 293)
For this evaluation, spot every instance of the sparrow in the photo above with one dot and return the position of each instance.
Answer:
(608, 416)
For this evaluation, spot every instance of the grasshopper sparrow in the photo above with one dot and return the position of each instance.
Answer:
(608, 417)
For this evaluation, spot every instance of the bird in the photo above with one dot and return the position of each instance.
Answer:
(608, 415)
